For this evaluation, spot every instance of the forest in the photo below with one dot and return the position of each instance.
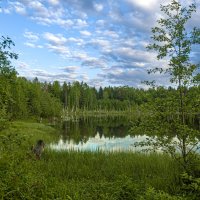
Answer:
(22, 98)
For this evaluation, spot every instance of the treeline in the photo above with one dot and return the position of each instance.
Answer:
(21, 98)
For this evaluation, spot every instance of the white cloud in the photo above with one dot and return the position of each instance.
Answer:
(95, 63)
(56, 39)
(80, 14)
(80, 55)
(112, 34)
(57, 43)
(33, 45)
(85, 33)
(63, 22)
(75, 40)
(30, 44)
(127, 53)
(145, 4)
(44, 75)
(80, 23)
(62, 50)
(100, 22)
(102, 43)
(41, 20)
(32, 39)
(98, 7)
(53, 2)
(39, 7)
(19, 8)
(31, 36)
(70, 69)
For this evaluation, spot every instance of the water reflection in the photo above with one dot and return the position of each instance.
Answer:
(85, 128)
(94, 133)
(101, 134)
(98, 143)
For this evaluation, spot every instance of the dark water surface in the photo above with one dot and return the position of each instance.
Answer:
(97, 133)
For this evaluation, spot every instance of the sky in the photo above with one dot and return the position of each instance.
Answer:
(100, 42)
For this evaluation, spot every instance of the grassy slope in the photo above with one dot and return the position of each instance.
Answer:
(78, 175)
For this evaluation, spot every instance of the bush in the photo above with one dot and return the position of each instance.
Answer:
(190, 186)
(152, 194)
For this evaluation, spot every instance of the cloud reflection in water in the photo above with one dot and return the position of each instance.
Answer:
(98, 143)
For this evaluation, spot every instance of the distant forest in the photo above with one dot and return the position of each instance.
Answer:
(21, 98)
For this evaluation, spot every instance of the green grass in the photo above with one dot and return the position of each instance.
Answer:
(32, 130)
(151, 168)
(79, 175)
(159, 171)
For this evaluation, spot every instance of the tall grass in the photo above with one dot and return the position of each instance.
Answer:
(156, 170)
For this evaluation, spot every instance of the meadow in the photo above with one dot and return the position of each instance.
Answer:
(80, 175)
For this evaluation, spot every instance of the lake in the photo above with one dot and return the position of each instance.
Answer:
(97, 134)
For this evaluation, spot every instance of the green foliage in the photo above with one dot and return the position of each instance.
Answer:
(128, 190)
(190, 186)
(3, 118)
(7, 79)
(173, 40)
(152, 194)
(6, 55)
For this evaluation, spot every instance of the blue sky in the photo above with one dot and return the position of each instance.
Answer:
(100, 42)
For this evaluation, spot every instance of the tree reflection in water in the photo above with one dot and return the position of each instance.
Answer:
(97, 133)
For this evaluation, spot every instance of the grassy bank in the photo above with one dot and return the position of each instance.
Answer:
(79, 175)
